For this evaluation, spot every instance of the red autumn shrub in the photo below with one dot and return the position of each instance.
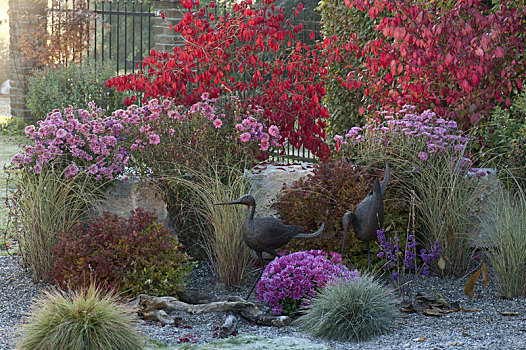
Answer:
(459, 61)
(135, 255)
(252, 53)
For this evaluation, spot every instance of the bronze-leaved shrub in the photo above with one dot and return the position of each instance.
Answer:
(326, 194)
(135, 255)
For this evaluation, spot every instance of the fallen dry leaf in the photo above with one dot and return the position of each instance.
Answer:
(420, 339)
(509, 313)
(432, 312)
(453, 344)
(469, 289)
(470, 310)
(441, 264)
(484, 274)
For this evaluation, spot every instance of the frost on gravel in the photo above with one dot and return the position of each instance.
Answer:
(483, 328)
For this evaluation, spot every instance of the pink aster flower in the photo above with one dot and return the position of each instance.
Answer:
(154, 138)
(245, 137)
(218, 123)
(264, 145)
(61, 133)
(29, 130)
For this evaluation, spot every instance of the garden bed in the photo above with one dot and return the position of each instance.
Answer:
(478, 325)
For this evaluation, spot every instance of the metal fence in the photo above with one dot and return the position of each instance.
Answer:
(122, 33)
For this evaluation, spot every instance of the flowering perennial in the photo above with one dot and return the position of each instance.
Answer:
(81, 139)
(391, 252)
(438, 134)
(290, 281)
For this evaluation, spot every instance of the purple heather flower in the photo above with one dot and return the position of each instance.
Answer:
(423, 156)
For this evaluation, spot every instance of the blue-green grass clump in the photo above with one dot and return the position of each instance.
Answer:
(350, 310)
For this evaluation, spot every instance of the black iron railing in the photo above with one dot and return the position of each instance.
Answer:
(122, 33)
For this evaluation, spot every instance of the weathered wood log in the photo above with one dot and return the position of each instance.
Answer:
(229, 326)
(265, 320)
(148, 307)
(148, 303)
(193, 296)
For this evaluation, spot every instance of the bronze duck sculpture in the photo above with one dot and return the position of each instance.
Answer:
(368, 217)
(266, 234)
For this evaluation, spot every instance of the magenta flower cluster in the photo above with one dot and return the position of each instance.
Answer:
(290, 281)
(80, 139)
(438, 134)
(391, 252)
(249, 128)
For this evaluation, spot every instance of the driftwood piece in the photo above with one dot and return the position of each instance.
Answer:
(149, 307)
(148, 303)
(229, 326)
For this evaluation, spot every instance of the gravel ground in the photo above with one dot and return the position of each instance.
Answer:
(484, 329)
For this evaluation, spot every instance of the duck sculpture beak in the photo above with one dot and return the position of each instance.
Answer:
(229, 202)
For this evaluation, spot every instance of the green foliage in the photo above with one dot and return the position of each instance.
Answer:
(504, 240)
(325, 195)
(341, 21)
(502, 138)
(135, 255)
(350, 311)
(11, 126)
(75, 85)
(221, 224)
(41, 205)
(79, 320)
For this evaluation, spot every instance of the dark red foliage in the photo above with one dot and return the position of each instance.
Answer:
(459, 62)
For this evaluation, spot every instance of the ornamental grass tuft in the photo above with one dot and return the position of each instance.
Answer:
(85, 319)
(350, 310)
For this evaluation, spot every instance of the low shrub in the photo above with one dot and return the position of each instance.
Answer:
(75, 85)
(290, 281)
(325, 195)
(135, 255)
(502, 138)
(78, 320)
(350, 310)
(10, 125)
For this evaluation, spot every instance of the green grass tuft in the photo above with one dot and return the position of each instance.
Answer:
(350, 311)
(79, 320)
